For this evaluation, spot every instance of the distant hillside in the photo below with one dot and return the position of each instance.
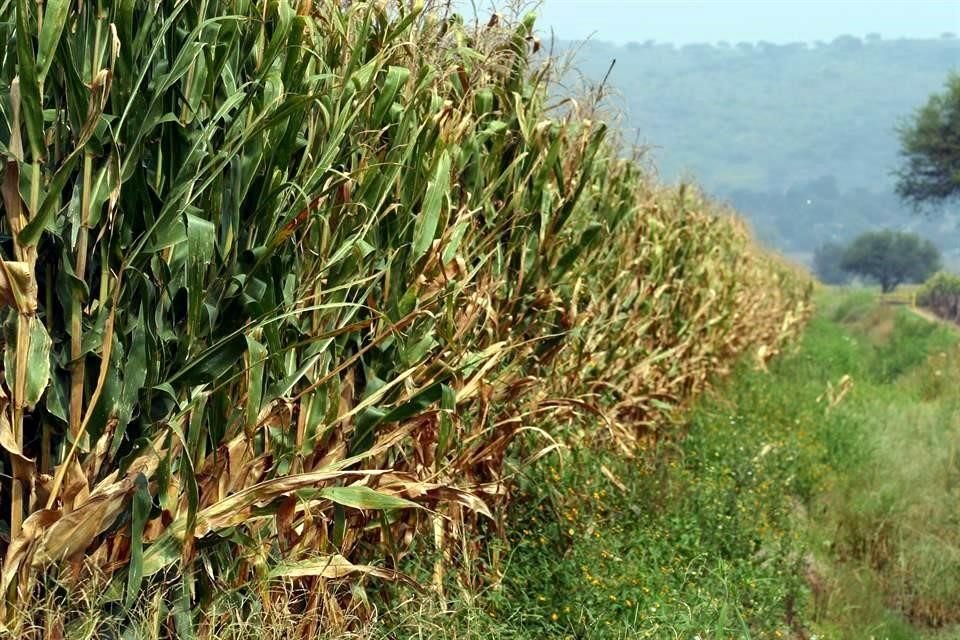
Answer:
(800, 137)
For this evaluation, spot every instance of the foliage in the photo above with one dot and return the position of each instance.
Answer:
(941, 294)
(796, 505)
(910, 341)
(891, 258)
(696, 539)
(930, 146)
(810, 213)
(882, 530)
(285, 281)
(827, 261)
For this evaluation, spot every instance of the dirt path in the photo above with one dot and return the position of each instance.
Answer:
(930, 316)
(909, 302)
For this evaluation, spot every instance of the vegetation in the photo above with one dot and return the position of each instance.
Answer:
(815, 498)
(882, 531)
(712, 110)
(941, 294)
(284, 282)
(891, 258)
(809, 214)
(887, 257)
(828, 264)
(930, 145)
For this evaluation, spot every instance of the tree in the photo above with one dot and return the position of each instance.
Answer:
(930, 146)
(846, 43)
(827, 261)
(891, 258)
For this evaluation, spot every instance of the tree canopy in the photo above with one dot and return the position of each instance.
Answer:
(930, 146)
(891, 258)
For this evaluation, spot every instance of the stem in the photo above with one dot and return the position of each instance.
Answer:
(78, 362)
(23, 348)
(46, 448)
(46, 439)
(77, 372)
(16, 492)
(101, 379)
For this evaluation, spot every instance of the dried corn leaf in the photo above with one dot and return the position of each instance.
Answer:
(17, 287)
(332, 567)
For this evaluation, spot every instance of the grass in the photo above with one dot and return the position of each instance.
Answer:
(889, 535)
(791, 507)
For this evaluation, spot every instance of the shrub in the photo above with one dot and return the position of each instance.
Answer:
(941, 294)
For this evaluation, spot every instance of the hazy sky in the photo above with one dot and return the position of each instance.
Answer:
(685, 21)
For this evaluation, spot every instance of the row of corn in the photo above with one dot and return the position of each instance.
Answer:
(282, 283)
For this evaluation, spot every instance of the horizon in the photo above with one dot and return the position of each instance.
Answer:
(686, 22)
(865, 38)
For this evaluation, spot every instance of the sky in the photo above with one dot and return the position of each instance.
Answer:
(689, 21)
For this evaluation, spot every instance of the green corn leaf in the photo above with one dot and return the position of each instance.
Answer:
(425, 229)
(396, 78)
(417, 349)
(213, 362)
(30, 234)
(134, 370)
(37, 374)
(448, 404)
(587, 239)
(593, 146)
(54, 20)
(483, 101)
(450, 250)
(360, 497)
(162, 553)
(183, 611)
(415, 405)
(142, 503)
(366, 429)
(257, 357)
(31, 110)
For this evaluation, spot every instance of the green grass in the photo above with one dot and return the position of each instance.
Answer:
(721, 533)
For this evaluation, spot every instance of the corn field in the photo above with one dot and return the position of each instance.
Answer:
(285, 283)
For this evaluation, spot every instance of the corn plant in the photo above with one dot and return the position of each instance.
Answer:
(283, 281)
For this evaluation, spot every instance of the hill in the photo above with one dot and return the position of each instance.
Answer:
(800, 137)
